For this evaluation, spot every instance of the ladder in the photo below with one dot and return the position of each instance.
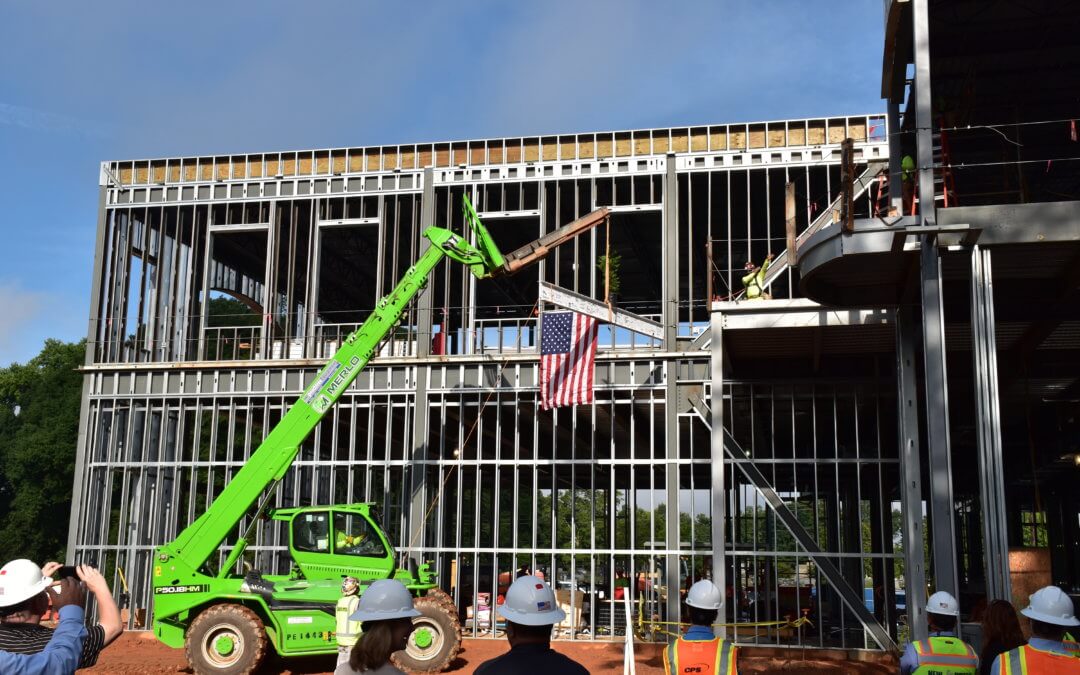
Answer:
(783, 261)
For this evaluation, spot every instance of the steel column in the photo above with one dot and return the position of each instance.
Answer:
(988, 428)
(421, 407)
(717, 468)
(672, 570)
(82, 452)
(937, 420)
(911, 502)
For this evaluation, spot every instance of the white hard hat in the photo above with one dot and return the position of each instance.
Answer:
(1051, 605)
(704, 595)
(943, 603)
(383, 600)
(21, 580)
(531, 602)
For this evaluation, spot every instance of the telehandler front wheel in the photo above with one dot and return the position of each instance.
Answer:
(435, 640)
(226, 639)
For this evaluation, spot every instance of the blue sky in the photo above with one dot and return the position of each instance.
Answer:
(83, 82)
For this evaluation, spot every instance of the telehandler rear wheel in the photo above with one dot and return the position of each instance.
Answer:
(435, 640)
(226, 640)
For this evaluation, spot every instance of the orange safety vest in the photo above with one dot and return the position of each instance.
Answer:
(940, 655)
(1026, 660)
(700, 657)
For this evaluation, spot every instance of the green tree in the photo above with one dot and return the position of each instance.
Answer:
(39, 424)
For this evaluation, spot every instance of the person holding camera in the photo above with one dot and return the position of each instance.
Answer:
(60, 655)
(23, 603)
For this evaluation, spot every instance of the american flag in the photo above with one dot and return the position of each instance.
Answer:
(567, 357)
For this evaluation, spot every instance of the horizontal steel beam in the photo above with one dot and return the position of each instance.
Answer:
(797, 313)
(599, 311)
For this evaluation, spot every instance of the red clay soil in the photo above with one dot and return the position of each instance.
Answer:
(140, 654)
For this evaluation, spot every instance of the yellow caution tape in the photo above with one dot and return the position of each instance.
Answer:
(642, 623)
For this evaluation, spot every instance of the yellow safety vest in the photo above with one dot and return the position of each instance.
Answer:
(945, 656)
(1025, 660)
(700, 657)
(347, 631)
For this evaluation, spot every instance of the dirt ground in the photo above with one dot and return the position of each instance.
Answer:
(140, 654)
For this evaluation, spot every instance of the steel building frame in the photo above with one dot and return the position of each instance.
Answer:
(444, 430)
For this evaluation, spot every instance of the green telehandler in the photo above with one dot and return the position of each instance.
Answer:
(227, 621)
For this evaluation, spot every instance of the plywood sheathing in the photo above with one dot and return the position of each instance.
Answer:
(797, 135)
(680, 140)
(498, 151)
(777, 136)
(837, 132)
(718, 139)
(642, 142)
(737, 138)
(567, 147)
(587, 147)
(661, 142)
(757, 137)
(699, 139)
(513, 151)
(532, 149)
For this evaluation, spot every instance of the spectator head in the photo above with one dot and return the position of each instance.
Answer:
(22, 592)
(1000, 624)
(1051, 612)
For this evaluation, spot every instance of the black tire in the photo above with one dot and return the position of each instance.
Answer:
(442, 597)
(436, 638)
(216, 627)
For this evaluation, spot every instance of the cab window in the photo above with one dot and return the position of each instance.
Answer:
(311, 532)
(354, 535)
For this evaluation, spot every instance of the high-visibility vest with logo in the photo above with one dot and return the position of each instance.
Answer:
(1025, 660)
(347, 631)
(945, 656)
(700, 657)
(1071, 645)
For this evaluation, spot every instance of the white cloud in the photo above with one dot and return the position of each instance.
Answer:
(39, 120)
(18, 309)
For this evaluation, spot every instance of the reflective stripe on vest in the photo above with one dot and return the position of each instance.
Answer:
(945, 655)
(1026, 660)
(347, 631)
(1071, 645)
(700, 657)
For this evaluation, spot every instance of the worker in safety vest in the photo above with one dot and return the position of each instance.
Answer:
(1051, 613)
(698, 650)
(347, 630)
(907, 183)
(943, 653)
(754, 281)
